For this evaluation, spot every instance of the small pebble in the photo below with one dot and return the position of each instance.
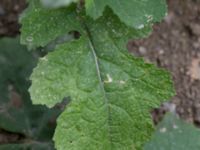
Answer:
(2, 11)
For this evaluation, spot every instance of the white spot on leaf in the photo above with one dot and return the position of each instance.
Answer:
(109, 79)
(44, 59)
(163, 130)
(29, 39)
(175, 126)
(122, 82)
(141, 26)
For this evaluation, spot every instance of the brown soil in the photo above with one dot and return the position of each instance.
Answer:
(174, 45)
(9, 14)
(8, 137)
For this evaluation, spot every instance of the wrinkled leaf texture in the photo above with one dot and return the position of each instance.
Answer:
(111, 91)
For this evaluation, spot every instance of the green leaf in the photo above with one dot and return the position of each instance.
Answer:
(17, 114)
(41, 26)
(174, 134)
(111, 91)
(134, 13)
(57, 3)
(108, 26)
(37, 32)
(14, 57)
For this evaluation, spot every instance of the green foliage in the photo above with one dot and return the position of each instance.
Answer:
(135, 13)
(50, 24)
(17, 114)
(174, 134)
(111, 91)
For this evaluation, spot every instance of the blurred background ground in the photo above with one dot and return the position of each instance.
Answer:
(174, 45)
(9, 13)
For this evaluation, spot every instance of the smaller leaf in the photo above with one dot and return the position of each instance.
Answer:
(134, 13)
(17, 114)
(174, 134)
(57, 3)
(41, 26)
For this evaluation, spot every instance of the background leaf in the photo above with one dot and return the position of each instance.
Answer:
(174, 134)
(17, 114)
(27, 146)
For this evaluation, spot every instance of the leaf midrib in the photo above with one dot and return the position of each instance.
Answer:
(100, 78)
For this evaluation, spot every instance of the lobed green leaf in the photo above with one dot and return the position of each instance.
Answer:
(111, 92)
